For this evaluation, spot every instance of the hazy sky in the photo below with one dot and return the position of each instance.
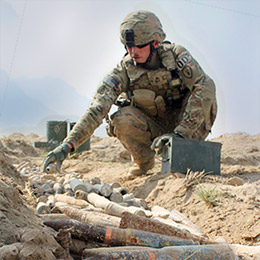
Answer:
(78, 42)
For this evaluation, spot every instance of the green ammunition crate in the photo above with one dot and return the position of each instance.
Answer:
(56, 131)
(179, 155)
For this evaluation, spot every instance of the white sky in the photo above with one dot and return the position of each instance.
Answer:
(78, 42)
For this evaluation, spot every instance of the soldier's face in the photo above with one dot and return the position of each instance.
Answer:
(139, 54)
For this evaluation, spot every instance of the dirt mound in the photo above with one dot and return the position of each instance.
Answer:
(19, 147)
(240, 153)
(233, 206)
(15, 212)
(226, 205)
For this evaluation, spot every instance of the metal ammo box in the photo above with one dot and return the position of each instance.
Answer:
(179, 154)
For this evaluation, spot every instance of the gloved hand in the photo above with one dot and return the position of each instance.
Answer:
(58, 155)
(160, 141)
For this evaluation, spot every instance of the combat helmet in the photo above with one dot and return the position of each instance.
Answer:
(141, 27)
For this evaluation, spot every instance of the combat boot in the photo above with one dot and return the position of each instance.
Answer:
(141, 169)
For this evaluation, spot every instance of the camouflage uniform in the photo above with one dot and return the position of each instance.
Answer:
(172, 94)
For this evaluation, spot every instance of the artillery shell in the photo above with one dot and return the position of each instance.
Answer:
(128, 196)
(104, 189)
(95, 180)
(51, 168)
(137, 203)
(124, 204)
(53, 216)
(61, 180)
(58, 188)
(80, 194)
(145, 213)
(185, 221)
(131, 202)
(42, 208)
(42, 198)
(66, 187)
(93, 217)
(49, 191)
(129, 220)
(115, 185)
(88, 252)
(97, 200)
(76, 184)
(122, 190)
(116, 197)
(160, 212)
(116, 236)
(196, 252)
(51, 201)
(89, 186)
(71, 200)
(115, 209)
(46, 186)
(141, 202)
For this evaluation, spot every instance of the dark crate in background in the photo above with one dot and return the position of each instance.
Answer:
(179, 154)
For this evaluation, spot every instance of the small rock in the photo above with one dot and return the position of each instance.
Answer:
(178, 174)
(235, 181)
(220, 240)
(125, 155)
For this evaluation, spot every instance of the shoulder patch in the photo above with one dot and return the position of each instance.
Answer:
(110, 81)
(182, 61)
(113, 83)
(187, 72)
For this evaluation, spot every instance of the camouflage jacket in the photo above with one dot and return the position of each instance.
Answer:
(177, 69)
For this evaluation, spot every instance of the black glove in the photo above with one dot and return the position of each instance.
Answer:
(58, 155)
(160, 141)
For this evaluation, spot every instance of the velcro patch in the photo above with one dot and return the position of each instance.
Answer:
(187, 72)
(182, 61)
(110, 81)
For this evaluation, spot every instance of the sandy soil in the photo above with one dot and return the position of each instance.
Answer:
(234, 211)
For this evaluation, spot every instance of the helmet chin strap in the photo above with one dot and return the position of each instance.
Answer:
(148, 60)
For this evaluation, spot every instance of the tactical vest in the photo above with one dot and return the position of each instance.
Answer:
(157, 90)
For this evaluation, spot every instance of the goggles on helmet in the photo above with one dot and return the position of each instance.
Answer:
(129, 38)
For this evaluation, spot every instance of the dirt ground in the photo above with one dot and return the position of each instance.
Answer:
(232, 211)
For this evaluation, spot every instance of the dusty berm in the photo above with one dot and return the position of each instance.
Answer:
(226, 206)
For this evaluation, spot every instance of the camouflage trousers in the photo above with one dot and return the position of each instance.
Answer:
(137, 130)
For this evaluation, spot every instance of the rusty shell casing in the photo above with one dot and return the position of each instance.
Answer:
(129, 220)
(88, 252)
(95, 218)
(194, 252)
(116, 236)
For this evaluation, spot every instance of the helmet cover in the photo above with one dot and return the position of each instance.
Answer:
(141, 27)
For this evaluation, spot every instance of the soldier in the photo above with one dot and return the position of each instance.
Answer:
(167, 92)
